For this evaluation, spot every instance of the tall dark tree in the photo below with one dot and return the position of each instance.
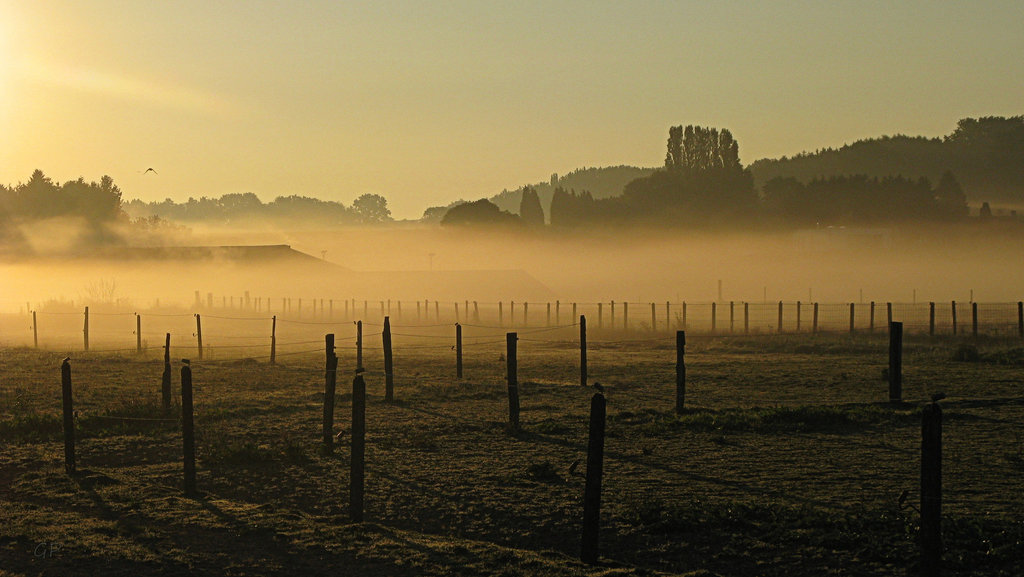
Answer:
(372, 208)
(530, 209)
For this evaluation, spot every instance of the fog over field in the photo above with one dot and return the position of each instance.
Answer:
(416, 262)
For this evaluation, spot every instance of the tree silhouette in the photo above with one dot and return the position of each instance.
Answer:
(372, 209)
(529, 208)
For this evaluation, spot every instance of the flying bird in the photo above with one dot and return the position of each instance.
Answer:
(148, 170)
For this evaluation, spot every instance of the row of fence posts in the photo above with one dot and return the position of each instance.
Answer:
(683, 322)
(931, 435)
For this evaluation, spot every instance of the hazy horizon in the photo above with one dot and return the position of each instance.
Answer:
(428, 104)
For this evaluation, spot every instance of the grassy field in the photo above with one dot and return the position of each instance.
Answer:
(788, 461)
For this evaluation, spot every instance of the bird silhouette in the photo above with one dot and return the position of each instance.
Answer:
(148, 170)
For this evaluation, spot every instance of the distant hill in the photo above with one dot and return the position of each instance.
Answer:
(985, 154)
(601, 182)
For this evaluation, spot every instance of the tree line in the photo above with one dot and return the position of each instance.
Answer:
(703, 184)
(243, 208)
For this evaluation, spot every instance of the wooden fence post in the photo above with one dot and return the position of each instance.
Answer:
(595, 470)
(512, 368)
(199, 335)
(974, 319)
(931, 490)
(330, 386)
(458, 351)
(273, 339)
(389, 368)
(680, 371)
(35, 330)
(437, 311)
(780, 318)
(732, 317)
(654, 318)
(871, 319)
(668, 315)
(852, 316)
(583, 350)
(625, 316)
(188, 433)
(558, 311)
(814, 322)
(1020, 319)
(85, 330)
(359, 345)
(548, 321)
(138, 334)
(611, 313)
(931, 319)
(746, 318)
(165, 381)
(476, 312)
(798, 310)
(714, 317)
(573, 310)
(357, 470)
(69, 417)
(600, 315)
(526, 312)
(501, 314)
(895, 362)
(953, 310)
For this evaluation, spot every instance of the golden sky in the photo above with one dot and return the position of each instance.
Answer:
(429, 102)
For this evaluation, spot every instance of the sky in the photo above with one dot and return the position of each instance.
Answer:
(431, 102)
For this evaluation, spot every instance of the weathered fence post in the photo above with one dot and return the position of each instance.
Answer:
(85, 330)
(814, 321)
(714, 317)
(389, 368)
(852, 316)
(680, 371)
(953, 310)
(273, 339)
(526, 312)
(931, 490)
(35, 330)
(746, 318)
(780, 318)
(357, 470)
(558, 312)
(548, 320)
(69, 417)
(501, 314)
(798, 310)
(611, 313)
(437, 311)
(458, 351)
(600, 315)
(592, 490)
(931, 319)
(1020, 319)
(138, 334)
(359, 345)
(512, 368)
(625, 316)
(895, 362)
(330, 386)
(654, 318)
(199, 335)
(668, 315)
(476, 312)
(583, 350)
(732, 317)
(165, 381)
(974, 319)
(188, 433)
(871, 315)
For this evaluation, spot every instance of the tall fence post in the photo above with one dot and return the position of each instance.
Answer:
(501, 314)
(680, 371)
(273, 339)
(85, 330)
(1020, 319)
(871, 317)
(895, 362)
(548, 320)
(199, 335)
(814, 321)
(165, 380)
(526, 312)
(611, 315)
(714, 317)
(732, 317)
(746, 318)
(668, 315)
(558, 311)
(330, 387)
(35, 330)
(389, 368)
(654, 318)
(953, 311)
(188, 432)
(600, 315)
(69, 417)
(974, 319)
(931, 319)
(583, 350)
(798, 310)
(138, 334)
(625, 316)
(359, 345)
(780, 318)
(357, 470)
(458, 351)
(512, 368)
(852, 317)
(931, 490)
(592, 490)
